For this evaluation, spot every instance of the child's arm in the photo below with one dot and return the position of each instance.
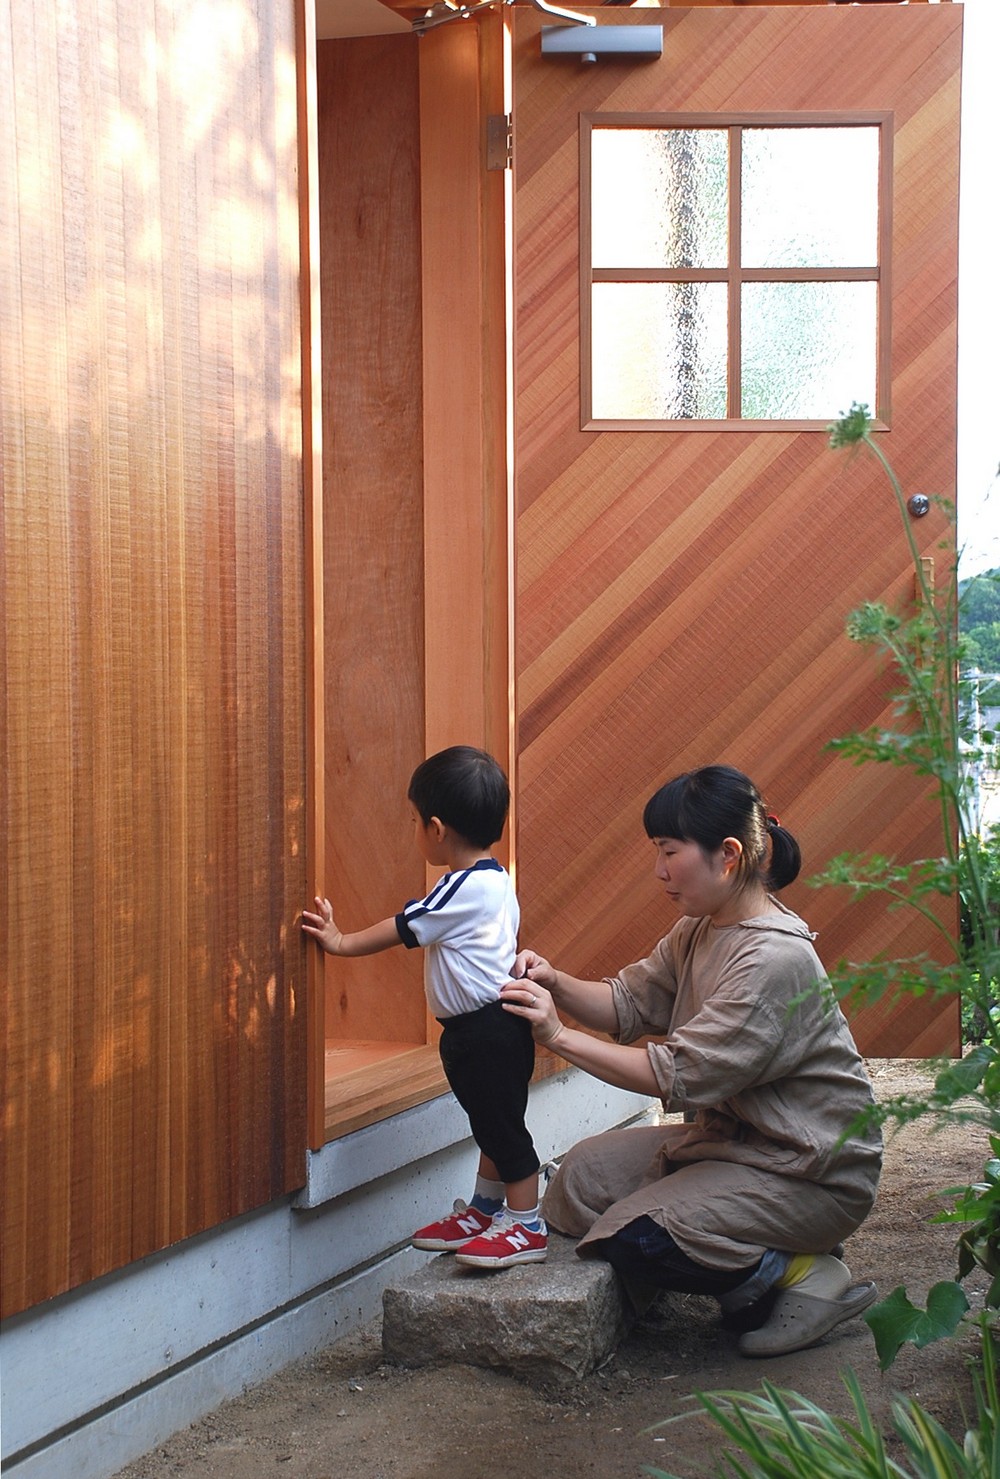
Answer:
(325, 930)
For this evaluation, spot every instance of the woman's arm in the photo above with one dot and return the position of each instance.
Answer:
(589, 1002)
(622, 1067)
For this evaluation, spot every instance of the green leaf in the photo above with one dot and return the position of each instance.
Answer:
(962, 1077)
(992, 1297)
(896, 1322)
(926, 1439)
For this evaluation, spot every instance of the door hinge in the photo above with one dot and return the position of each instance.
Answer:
(499, 141)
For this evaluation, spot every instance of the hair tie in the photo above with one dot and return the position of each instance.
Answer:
(772, 821)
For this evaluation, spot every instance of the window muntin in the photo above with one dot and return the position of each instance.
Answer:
(735, 270)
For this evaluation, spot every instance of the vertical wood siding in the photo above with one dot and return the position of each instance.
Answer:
(152, 776)
(682, 595)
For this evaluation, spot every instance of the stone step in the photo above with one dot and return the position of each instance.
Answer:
(557, 1320)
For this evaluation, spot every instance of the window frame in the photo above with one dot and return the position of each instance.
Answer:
(734, 274)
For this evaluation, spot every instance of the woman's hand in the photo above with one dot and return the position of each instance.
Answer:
(529, 964)
(529, 996)
(532, 1001)
(591, 1003)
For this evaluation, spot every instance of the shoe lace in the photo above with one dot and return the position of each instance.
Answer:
(461, 1210)
(501, 1227)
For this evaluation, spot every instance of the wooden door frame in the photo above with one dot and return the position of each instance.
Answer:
(312, 501)
(466, 474)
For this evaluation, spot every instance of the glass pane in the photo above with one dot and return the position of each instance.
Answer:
(809, 349)
(659, 351)
(810, 197)
(659, 197)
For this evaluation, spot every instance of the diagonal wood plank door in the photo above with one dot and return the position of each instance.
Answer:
(682, 593)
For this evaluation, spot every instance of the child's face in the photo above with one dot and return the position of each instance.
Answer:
(427, 838)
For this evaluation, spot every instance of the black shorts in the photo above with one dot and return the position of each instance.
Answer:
(488, 1058)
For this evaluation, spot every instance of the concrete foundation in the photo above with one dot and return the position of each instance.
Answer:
(97, 1376)
(557, 1320)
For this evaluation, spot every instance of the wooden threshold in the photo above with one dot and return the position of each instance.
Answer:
(369, 1081)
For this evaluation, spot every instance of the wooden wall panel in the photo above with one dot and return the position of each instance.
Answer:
(466, 400)
(153, 810)
(373, 516)
(417, 578)
(682, 595)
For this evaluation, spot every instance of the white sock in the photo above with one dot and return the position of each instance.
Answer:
(488, 1196)
(527, 1217)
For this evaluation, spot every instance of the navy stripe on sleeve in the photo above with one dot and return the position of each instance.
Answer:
(407, 936)
(445, 889)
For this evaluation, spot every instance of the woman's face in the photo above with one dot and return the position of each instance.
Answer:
(698, 882)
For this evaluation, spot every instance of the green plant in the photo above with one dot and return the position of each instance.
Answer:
(780, 1434)
(932, 731)
(980, 614)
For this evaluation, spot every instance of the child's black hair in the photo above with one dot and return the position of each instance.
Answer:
(466, 789)
(708, 805)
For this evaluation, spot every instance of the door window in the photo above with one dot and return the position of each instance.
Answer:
(735, 269)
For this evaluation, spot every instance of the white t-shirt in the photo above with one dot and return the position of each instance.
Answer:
(468, 927)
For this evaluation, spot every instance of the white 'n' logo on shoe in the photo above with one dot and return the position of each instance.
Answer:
(517, 1238)
(469, 1225)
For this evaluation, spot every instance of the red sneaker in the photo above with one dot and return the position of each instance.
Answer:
(452, 1232)
(506, 1243)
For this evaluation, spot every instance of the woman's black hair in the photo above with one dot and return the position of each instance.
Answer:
(464, 788)
(708, 805)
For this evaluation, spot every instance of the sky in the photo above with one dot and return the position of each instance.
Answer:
(979, 294)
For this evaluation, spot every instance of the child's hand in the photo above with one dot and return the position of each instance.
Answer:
(323, 927)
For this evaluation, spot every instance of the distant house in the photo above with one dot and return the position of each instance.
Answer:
(984, 771)
(352, 407)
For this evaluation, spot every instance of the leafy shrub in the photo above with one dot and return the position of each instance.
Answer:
(781, 1434)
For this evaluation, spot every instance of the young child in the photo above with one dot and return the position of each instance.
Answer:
(468, 927)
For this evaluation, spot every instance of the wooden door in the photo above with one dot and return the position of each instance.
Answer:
(682, 589)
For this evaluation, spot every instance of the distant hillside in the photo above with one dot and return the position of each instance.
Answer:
(979, 620)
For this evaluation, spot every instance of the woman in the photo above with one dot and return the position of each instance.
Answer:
(769, 1172)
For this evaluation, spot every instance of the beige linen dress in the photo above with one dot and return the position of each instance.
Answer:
(751, 1042)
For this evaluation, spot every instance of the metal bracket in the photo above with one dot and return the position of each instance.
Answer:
(499, 141)
(566, 15)
(446, 10)
(455, 10)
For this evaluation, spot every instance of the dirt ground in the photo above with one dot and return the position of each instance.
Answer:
(343, 1413)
